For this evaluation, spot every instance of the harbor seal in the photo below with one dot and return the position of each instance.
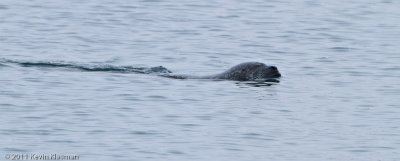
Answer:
(249, 71)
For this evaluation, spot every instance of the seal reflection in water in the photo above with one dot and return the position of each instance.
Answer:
(249, 71)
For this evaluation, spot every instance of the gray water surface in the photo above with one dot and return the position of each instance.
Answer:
(338, 98)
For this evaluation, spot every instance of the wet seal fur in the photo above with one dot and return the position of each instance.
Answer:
(249, 71)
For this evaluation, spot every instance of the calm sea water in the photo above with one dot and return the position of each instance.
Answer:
(338, 98)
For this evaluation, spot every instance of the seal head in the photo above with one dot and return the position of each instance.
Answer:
(249, 71)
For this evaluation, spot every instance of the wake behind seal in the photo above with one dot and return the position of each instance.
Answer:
(249, 71)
